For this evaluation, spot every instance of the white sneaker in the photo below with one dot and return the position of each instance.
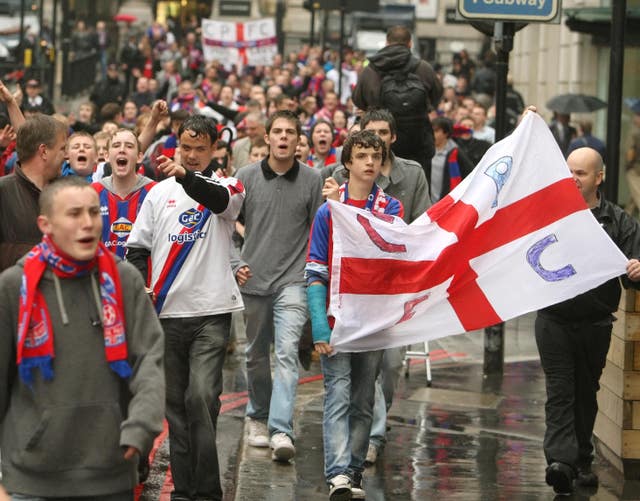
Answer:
(372, 455)
(357, 492)
(258, 433)
(340, 488)
(283, 449)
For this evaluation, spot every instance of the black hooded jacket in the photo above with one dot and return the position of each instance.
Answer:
(415, 137)
(389, 59)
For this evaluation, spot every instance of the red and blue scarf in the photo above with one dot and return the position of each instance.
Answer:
(35, 332)
(331, 158)
(455, 175)
(376, 201)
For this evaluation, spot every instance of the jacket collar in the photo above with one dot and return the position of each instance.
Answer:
(18, 172)
(269, 174)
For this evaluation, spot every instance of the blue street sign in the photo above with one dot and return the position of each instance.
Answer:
(510, 10)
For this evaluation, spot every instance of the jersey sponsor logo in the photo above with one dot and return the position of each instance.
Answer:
(171, 203)
(115, 243)
(190, 218)
(104, 210)
(121, 227)
(181, 238)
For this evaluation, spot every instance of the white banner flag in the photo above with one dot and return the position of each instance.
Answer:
(251, 43)
(515, 236)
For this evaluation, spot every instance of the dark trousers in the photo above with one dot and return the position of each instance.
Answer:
(195, 349)
(415, 142)
(572, 356)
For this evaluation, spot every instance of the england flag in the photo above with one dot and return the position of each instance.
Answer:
(513, 237)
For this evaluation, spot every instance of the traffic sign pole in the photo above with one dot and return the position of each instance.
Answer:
(505, 14)
(503, 33)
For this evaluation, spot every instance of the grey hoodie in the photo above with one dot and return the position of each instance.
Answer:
(67, 436)
(141, 181)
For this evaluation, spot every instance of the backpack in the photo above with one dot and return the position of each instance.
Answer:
(403, 93)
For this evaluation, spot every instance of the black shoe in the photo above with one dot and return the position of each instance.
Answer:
(560, 476)
(586, 477)
(179, 497)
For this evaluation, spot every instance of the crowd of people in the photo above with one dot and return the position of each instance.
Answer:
(156, 64)
(210, 184)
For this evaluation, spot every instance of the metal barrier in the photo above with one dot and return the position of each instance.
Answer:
(79, 74)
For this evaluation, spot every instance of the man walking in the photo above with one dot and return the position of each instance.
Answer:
(82, 387)
(282, 198)
(185, 224)
(405, 181)
(573, 340)
(349, 378)
(409, 88)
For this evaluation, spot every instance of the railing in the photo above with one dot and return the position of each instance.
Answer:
(79, 74)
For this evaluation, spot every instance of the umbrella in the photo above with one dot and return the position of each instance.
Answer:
(633, 103)
(126, 18)
(575, 103)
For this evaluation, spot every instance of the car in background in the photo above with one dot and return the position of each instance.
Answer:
(10, 34)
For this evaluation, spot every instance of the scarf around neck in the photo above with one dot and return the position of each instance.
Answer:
(376, 201)
(35, 346)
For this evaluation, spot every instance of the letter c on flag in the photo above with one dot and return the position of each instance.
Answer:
(533, 258)
(378, 239)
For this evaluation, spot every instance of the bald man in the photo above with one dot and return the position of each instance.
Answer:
(573, 340)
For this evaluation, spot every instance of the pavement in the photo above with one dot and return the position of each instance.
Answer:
(467, 437)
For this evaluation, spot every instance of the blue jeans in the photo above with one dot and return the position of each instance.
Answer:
(195, 349)
(349, 383)
(279, 318)
(379, 421)
(385, 387)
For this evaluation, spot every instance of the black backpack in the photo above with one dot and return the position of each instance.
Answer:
(403, 93)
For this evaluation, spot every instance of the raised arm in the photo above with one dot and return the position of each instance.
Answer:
(15, 114)
(159, 110)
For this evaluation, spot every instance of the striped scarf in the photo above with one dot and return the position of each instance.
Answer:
(35, 347)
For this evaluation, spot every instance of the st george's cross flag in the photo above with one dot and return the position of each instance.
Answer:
(513, 237)
(251, 43)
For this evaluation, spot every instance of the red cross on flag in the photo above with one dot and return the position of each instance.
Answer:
(251, 43)
(513, 237)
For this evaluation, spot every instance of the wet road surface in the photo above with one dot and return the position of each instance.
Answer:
(468, 437)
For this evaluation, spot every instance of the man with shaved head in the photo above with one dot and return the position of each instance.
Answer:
(81, 358)
(573, 340)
